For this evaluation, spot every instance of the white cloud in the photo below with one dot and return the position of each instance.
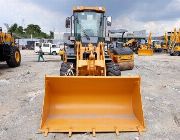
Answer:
(156, 27)
(17, 11)
(48, 18)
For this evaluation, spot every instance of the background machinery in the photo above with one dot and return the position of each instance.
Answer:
(90, 95)
(132, 44)
(174, 48)
(120, 52)
(146, 50)
(8, 50)
(165, 43)
(157, 46)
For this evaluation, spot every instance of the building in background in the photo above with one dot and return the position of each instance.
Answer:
(138, 35)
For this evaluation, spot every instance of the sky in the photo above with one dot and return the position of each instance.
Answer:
(156, 16)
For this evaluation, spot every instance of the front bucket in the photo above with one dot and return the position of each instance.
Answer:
(145, 52)
(86, 104)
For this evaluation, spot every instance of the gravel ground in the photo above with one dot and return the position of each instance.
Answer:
(22, 90)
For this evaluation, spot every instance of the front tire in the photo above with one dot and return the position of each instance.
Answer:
(14, 59)
(66, 69)
(113, 69)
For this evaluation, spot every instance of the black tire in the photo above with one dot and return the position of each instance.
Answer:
(14, 60)
(171, 54)
(64, 68)
(54, 53)
(176, 53)
(62, 73)
(110, 74)
(109, 64)
(66, 64)
(113, 69)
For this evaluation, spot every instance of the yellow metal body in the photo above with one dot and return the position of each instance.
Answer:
(92, 101)
(130, 42)
(177, 48)
(6, 39)
(145, 50)
(123, 58)
(85, 8)
(157, 46)
(87, 104)
(17, 56)
(94, 64)
(126, 62)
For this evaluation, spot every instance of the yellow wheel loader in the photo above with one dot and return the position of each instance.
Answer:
(8, 51)
(90, 95)
(146, 50)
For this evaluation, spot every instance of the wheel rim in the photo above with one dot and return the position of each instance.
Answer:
(17, 56)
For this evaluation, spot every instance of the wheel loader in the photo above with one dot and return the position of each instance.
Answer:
(8, 50)
(146, 50)
(90, 95)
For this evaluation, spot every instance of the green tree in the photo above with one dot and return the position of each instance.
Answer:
(33, 29)
(19, 30)
(13, 28)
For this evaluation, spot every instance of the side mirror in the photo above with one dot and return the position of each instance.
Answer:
(72, 38)
(68, 22)
(107, 39)
(109, 20)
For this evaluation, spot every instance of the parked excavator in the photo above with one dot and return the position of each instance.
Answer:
(157, 46)
(174, 48)
(165, 44)
(9, 52)
(90, 95)
(131, 43)
(146, 50)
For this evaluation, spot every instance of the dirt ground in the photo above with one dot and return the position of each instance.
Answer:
(22, 91)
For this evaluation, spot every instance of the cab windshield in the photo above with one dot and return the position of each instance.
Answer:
(88, 24)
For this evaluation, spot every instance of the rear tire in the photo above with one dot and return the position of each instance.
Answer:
(14, 59)
(176, 53)
(113, 69)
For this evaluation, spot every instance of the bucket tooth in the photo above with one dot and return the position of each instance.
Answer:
(70, 132)
(93, 132)
(117, 131)
(46, 132)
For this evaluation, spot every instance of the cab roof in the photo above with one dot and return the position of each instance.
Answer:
(87, 8)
